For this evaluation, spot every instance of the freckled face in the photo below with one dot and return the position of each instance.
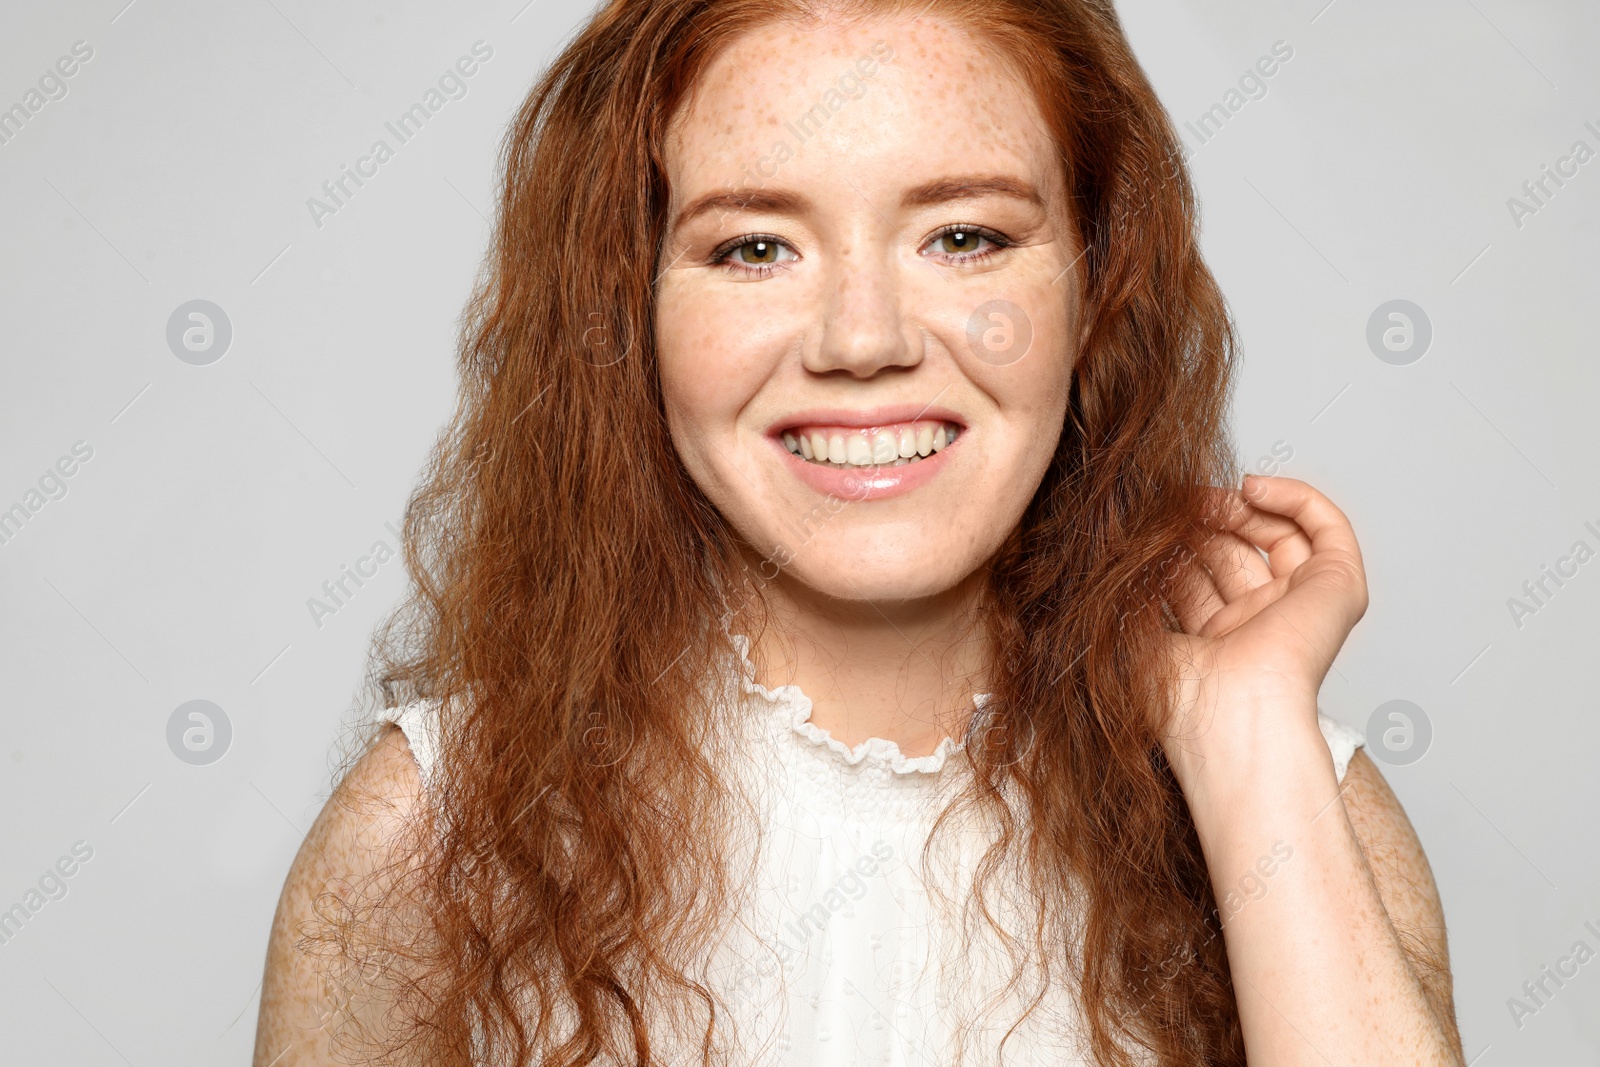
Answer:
(866, 362)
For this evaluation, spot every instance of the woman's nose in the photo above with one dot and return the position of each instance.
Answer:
(864, 328)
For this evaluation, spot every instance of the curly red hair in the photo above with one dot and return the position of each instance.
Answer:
(566, 590)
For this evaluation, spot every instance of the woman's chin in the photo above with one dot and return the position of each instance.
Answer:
(868, 576)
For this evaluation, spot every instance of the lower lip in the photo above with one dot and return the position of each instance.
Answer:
(871, 482)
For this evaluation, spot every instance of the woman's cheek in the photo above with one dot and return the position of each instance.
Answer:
(717, 347)
(1035, 384)
(691, 358)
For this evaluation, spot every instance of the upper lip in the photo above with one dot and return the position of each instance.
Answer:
(866, 418)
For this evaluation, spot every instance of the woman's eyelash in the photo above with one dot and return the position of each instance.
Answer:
(723, 255)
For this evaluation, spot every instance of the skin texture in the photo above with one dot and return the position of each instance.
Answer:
(1342, 959)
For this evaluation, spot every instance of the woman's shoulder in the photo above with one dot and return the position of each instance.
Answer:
(348, 854)
(359, 829)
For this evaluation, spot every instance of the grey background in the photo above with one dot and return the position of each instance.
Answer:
(219, 498)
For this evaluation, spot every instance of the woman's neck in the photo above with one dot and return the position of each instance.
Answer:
(904, 671)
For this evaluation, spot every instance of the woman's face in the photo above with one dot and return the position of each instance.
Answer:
(867, 301)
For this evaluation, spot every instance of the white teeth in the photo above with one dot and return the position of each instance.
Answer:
(886, 448)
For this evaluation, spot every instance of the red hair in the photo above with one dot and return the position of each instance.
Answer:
(567, 589)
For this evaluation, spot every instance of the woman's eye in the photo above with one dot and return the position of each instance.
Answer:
(967, 242)
(760, 254)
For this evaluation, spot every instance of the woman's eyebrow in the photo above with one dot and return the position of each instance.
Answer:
(769, 201)
(938, 191)
(971, 186)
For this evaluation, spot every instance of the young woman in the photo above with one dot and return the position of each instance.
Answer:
(835, 640)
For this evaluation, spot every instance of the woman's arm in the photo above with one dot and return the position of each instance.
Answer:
(1405, 883)
(1334, 932)
(1340, 958)
(352, 838)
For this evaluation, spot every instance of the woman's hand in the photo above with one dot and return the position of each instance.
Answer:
(1260, 632)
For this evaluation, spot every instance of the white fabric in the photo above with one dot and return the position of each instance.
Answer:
(840, 956)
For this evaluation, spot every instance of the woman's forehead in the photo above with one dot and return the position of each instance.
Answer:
(792, 104)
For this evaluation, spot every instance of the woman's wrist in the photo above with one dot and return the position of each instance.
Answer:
(1262, 749)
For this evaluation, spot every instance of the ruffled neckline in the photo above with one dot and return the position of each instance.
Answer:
(795, 708)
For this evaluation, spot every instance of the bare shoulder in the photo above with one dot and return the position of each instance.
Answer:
(1404, 880)
(353, 842)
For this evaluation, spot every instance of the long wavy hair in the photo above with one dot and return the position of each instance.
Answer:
(567, 574)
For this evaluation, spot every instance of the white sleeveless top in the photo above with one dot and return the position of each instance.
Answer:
(840, 957)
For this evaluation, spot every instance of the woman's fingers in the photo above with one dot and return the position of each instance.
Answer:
(1280, 550)
(1234, 563)
(1289, 499)
(1289, 521)
(1246, 607)
(1195, 597)
(1330, 587)
(1280, 537)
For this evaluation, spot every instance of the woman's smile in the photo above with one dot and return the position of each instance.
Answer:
(876, 446)
(867, 454)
